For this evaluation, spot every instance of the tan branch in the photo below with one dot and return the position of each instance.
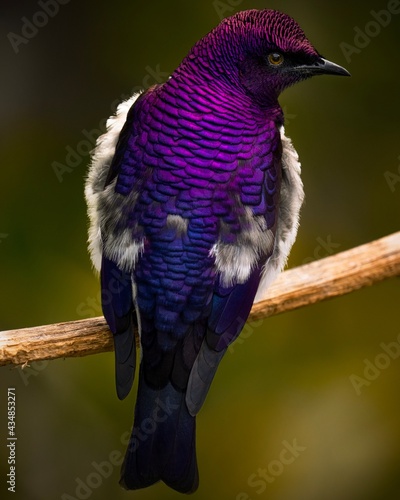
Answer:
(298, 287)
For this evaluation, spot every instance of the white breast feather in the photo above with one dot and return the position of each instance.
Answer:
(123, 249)
(291, 199)
(235, 262)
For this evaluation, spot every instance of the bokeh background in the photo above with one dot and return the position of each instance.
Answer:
(288, 379)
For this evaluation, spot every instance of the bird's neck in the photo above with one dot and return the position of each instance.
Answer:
(196, 90)
(210, 71)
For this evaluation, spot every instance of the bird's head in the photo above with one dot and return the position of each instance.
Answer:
(260, 52)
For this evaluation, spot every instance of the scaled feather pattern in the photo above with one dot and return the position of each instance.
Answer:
(194, 195)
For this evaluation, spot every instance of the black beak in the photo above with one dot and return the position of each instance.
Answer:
(323, 67)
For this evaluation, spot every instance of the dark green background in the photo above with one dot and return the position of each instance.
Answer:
(289, 379)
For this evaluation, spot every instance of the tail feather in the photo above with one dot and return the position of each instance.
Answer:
(116, 288)
(125, 360)
(201, 376)
(162, 445)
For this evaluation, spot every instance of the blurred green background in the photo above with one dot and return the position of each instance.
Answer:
(287, 378)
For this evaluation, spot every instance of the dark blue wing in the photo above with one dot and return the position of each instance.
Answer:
(231, 306)
(118, 309)
(116, 285)
(230, 310)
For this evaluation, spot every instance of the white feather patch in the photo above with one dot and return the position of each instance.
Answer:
(122, 249)
(291, 199)
(178, 223)
(236, 261)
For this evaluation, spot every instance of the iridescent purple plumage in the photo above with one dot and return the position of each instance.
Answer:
(197, 203)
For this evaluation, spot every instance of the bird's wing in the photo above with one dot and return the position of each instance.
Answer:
(116, 287)
(114, 247)
(118, 309)
(231, 305)
(230, 309)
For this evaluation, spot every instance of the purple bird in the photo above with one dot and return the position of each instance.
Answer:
(194, 195)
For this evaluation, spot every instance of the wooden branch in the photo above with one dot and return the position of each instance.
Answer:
(327, 278)
(298, 287)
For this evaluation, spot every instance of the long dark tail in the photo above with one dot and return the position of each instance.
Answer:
(163, 442)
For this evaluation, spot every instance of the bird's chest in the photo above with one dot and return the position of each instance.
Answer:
(211, 172)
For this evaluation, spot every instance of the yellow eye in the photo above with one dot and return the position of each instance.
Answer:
(275, 59)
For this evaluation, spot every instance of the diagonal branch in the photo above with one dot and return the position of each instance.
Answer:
(298, 287)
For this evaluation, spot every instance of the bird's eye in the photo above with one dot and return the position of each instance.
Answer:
(275, 59)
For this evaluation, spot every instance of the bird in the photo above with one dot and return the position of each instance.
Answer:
(194, 194)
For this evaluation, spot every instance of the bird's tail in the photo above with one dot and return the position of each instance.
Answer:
(162, 445)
